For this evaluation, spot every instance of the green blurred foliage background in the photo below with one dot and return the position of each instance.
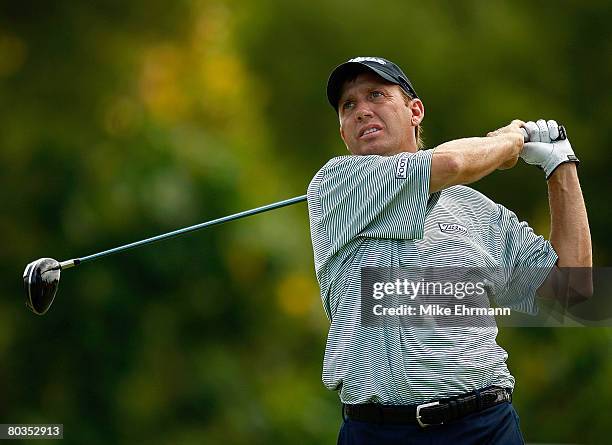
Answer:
(124, 119)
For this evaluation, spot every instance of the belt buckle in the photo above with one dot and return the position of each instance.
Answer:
(418, 414)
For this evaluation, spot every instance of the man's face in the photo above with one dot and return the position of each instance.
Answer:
(375, 119)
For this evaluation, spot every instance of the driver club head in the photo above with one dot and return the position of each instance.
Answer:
(40, 280)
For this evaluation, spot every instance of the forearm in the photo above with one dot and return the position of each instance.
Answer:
(570, 235)
(571, 280)
(467, 160)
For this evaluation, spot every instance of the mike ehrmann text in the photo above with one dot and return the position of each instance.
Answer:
(436, 310)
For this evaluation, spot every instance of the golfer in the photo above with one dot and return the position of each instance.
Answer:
(393, 203)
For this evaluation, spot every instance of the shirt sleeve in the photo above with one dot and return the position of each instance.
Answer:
(369, 196)
(526, 260)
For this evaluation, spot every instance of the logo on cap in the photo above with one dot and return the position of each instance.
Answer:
(369, 59)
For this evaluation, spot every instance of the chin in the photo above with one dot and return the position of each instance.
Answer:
(374, 149)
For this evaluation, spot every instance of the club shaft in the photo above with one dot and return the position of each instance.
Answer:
(74, 262)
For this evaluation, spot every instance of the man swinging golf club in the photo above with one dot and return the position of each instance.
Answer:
(394, 208)
(387, 205)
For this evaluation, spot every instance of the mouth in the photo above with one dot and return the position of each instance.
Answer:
(369, 131)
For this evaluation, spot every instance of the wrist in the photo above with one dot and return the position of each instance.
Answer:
(563, 172)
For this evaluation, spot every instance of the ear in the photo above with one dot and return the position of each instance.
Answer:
(418, 111)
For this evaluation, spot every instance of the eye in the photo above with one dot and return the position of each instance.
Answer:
(348, 105)
(376, 94)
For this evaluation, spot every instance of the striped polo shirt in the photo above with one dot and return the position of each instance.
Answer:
(376, 211)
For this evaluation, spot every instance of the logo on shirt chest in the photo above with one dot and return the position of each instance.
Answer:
(453, 228)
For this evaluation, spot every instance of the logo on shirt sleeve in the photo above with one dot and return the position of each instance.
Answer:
(401, 171)
(453, 228)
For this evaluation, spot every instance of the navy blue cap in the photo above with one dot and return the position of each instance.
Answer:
(383, 67)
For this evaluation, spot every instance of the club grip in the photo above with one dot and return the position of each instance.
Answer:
(562, 134)
(525, 135)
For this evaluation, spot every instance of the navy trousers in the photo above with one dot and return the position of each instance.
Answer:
(498, 425)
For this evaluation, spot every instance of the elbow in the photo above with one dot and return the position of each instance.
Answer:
(579, 285)
(578, 296)
(582, 290)
(446, 168)
(448, 171)
(575, 263)
(454, 165)
(569, 285)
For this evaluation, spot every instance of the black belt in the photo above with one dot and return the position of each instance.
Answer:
(432, 413)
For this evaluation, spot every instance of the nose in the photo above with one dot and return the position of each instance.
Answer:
(363, 111)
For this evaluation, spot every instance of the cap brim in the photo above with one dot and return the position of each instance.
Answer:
(344, 71)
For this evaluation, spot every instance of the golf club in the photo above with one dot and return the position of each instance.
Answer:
(41, 277)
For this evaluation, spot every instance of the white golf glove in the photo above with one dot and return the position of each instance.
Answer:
(547, 146)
